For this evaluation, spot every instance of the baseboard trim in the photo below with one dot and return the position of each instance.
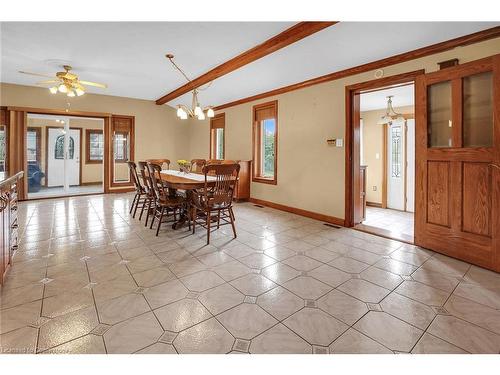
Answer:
(299, 211)
(374, 204)
(91, 183)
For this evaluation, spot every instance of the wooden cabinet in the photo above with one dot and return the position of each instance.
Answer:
(8, 220)
(243, 186)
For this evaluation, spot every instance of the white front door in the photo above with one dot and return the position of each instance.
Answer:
(410, 170)
(395, 167)
(63, 158)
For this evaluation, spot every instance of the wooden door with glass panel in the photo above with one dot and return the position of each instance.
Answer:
(458, 162)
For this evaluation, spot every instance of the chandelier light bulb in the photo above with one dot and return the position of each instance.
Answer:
(71, 93)
(62, 88)
(183, 115)
(210, 113)
(197, 111)
(179, 111)
(201, 116)
(79, 92)
(53, 90)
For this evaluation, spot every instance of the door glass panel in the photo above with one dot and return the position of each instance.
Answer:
(478, 110)
(219, 144)
(3, 149)
(439, 115)
(121, 152)
(268, 147)
(396, 152)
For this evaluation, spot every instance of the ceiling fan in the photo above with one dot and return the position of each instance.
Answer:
(65, 82)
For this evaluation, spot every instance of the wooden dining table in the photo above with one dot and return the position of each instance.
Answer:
(176, 180)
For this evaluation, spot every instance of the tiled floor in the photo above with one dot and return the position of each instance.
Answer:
(398, 224)
(59, 191)
(90, 279)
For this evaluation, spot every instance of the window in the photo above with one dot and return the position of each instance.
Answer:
(94, 141)
(120, 147)
(265, 142)
(33, 145)
(217, 129)
(3, 148)
(59, 148)
(396, 152)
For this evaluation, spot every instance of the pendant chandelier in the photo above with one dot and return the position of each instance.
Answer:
(196, 111)
(390, 114)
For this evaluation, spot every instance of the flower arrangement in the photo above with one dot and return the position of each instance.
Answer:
(184, 165)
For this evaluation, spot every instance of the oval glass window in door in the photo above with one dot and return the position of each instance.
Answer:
(59, 147)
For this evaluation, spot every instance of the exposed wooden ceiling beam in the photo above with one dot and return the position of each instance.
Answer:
(396, 59)
(287, 37)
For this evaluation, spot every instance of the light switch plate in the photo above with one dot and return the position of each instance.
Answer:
(339, 142)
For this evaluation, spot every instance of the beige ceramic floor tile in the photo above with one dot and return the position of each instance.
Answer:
(342, 306)
(246, 321)
(315, 326)
(20, 341)
(209, 337)
(158, 348)
(221, 298)
(133, 334)
(364, 290)
(280, 273)
(389, 331)
(88, 344)
(67, 327)
(481, 276)
(381, 277)
(187, 267)
(215, 259)
(121, 308)
(446, 265)
(489, 296)
(349, 265)
(280, 303)
(363, 256)
(144, 263)
(67, 302)
(181, 315)
(279, 340)
(165, 293)
(200, 281)
(114, 288)
(473, 312)
(354, 342)
(435, 279)
(422, 293)
(19, 316)
(20, 296)
(153, 276)
(302, 263)
(253, 284)
(429, 344)
(410, 311)
(330, 275)
(410, 258)
(307, 287)
(395, 266)
(257, 260)
(280, 252)
(239, 251)
(466, 336)
(232, 270)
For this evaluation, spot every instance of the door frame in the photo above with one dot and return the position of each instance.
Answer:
(47, 151)
(352, 162)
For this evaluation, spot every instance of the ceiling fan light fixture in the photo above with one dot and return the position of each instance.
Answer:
(79, 92)
(210, 112)
(53, 90)
(62, 88)
(71, 94)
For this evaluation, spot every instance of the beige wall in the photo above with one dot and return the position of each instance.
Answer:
(311, 173)
(158, 132)
(373, 143)
(90, 172)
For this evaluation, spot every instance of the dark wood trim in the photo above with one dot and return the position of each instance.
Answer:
(351, 125)
(298, 211)
(374, 204)
(47, 151)
(212, 148)
(393, 60)
(88, 132)
(256, 142)
(291, 35)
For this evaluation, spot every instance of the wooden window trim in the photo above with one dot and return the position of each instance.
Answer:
(127, 135)
(256, 142)
(213, 138)
(88, 132)
(38, 131)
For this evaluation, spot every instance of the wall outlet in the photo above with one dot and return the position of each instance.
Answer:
(374, 188)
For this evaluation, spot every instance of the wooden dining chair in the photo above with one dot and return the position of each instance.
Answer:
(214, 203)
(160, 162)
(165, 202)
(147, 183)
(140, 196)
(197, 165)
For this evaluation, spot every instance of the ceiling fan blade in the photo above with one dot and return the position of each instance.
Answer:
(88, 83)
(37, 74)
(50, 81)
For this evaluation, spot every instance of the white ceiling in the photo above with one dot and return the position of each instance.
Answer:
(403, 96)
(129, 57)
